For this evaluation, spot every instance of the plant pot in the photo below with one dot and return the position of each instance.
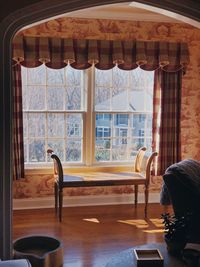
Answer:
(175, 247)
(41, 251)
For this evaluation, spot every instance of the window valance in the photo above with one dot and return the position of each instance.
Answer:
(56, 53)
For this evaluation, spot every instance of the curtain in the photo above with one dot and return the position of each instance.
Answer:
(170, 141)
(166, 118)
(104, 54)
(18, 145)
(168, 59)
(156, 117)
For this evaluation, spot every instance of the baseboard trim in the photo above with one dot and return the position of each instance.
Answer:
(75, 201)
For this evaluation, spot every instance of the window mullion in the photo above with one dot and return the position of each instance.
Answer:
(46, 115)
(65, 116)
(89, 127)
(27, 141)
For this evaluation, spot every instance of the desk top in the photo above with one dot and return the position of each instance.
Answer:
(103, 179)
(126, 258)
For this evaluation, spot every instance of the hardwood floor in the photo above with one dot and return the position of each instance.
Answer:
(92, 235)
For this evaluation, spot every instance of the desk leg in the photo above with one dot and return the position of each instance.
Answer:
(136, 195)
(56, 197)
(60, 204)
(146, 195)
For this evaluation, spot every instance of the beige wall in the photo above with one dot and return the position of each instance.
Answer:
(38, 184)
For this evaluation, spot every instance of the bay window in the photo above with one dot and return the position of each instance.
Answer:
(86, 116)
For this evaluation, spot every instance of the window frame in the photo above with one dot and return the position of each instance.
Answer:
(89, 128)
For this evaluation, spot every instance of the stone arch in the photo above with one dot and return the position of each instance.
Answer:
(28, 13)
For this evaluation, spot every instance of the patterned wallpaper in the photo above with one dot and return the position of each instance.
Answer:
(42, 185)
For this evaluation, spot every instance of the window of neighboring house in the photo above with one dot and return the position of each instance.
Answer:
(86, 116)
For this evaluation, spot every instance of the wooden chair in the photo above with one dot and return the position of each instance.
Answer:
(139, 159)
(109, 179)
(137, 168)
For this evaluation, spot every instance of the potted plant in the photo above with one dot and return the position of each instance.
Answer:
(176, 229)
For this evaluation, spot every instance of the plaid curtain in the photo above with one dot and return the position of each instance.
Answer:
(166, 118)
(18, 147)
(104, 54)
(156, 117)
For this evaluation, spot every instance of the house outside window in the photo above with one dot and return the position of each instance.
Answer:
(86, 116)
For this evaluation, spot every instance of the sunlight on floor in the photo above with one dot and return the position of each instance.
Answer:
(157, 222)
(154, 231)
(143, 224)
(138, 223)
(94, 220)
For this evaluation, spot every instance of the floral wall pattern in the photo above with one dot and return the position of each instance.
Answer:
(41, 185)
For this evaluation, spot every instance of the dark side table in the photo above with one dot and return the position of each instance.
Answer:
(126, 258)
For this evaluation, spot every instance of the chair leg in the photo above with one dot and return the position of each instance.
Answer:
(60, 204)
(56, 197)
(146, 195)
(136, 195)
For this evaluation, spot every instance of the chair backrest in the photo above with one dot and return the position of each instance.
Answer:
(139, 159)
(149, 166)
(58, 169)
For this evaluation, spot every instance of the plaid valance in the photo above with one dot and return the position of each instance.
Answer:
(56, 53)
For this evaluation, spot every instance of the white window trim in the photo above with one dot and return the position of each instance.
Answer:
(89, 115)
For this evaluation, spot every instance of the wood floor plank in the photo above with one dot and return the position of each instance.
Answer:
(92, 235)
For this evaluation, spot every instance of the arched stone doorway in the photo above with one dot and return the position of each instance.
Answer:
(14, 18)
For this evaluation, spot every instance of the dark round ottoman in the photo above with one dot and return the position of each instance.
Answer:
(41, 251)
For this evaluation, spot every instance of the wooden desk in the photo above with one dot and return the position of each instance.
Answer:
(126, 258)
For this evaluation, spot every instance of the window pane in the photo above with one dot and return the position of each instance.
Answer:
(120, 78)
(58, 147)
(102, 98)
(137, 79)
(102, 154)
(56, 125)
(103, 78)
(73, 98)
(25, 97)
(36, 150)
(103, 143)
(36, 76)
(36, 98)
(138, 124)
(136, 100)
(24, 76)
(25, 125)
(36, 124)
(137, 143)
(120, 99)
(121, 119)
(149, 100)
(55, 77)
(74, 76)
(149, 125)
(149, 144)
(25, 150)
(119, 153)
(55, 98)
(74, 125)
(103, 120)
(74, 150)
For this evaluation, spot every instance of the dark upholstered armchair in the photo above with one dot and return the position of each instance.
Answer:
(181, 188)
